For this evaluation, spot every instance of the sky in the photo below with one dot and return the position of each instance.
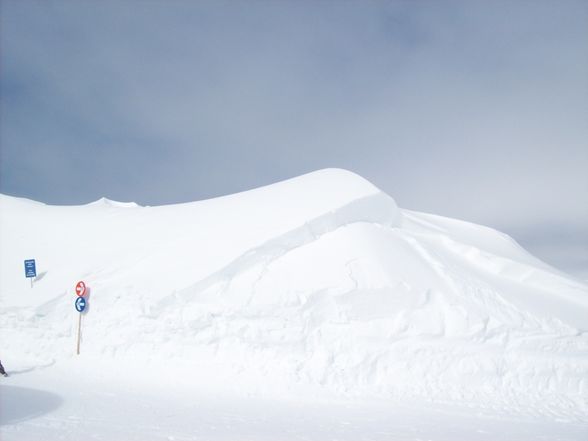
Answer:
(476, 110)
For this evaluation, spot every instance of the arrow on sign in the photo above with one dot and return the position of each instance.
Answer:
(81, 288)
(80, 304)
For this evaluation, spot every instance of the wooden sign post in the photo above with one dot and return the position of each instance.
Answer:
(80, 305)
(79, 333)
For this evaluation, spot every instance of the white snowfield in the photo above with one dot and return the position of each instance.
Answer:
(316, 286)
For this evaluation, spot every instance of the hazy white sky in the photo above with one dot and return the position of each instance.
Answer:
(470, 109)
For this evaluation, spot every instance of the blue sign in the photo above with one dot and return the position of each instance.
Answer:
(80, 304)
(30, 268)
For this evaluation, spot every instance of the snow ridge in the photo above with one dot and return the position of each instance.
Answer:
(374, 209)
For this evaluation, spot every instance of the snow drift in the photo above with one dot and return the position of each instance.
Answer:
(316, 282)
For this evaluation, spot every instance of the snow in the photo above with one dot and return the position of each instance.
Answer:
(314, 308)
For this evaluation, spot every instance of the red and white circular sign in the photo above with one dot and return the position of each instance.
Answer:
(80, 288)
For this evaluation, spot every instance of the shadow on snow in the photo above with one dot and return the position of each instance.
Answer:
(19, 404)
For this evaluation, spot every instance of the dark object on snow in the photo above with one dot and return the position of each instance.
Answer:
(2, 371)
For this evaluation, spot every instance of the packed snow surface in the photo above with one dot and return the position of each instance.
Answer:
(312, 286)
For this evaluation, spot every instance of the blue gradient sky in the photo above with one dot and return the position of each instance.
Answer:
(469, 109)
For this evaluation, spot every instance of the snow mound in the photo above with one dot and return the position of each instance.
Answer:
(317, 281)
(111, 203)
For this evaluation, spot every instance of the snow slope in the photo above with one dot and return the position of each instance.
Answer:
(319, 284)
